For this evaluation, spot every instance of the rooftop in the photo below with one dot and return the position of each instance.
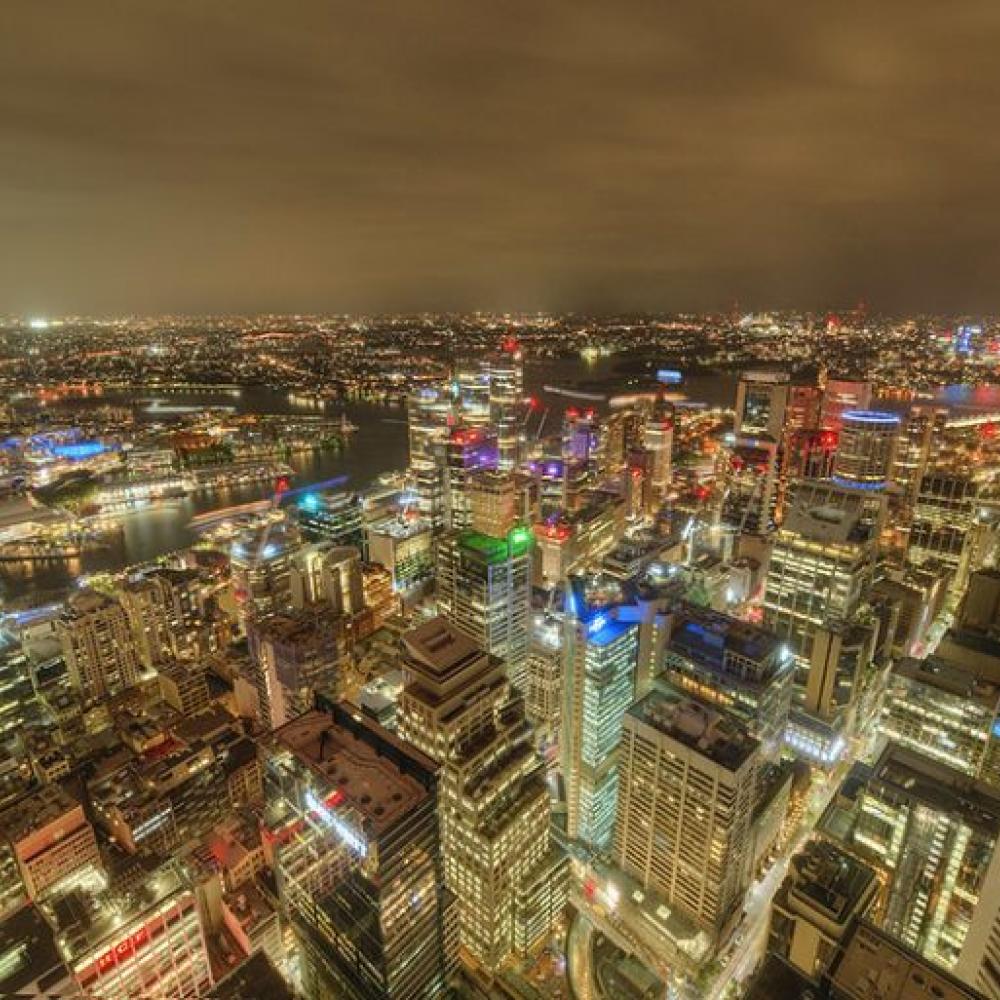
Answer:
(358, 768)
(905, 774)
(517, 542)
(873, 964)
(254, 979)
(828, 879)
(30, 956)
(33, 812)
(949, 676)
(713, 734)
(829, 514)
(440, 657)
(710, 636)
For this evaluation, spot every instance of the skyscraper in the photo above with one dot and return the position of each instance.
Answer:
(459, 708)
(506, 369)
(352, 814)
(600, 658)
(688, 788)
(262, 562)
(468, 451)
(484, 587)
(866, 449)
(98, 646)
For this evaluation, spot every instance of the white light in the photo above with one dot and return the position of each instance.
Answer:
(349, 836)
(38, 324)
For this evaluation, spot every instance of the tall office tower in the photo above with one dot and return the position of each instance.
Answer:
(658, 440)
(750, 487)
(352, 815)
(430, 415)
(947, 710)
(688, 788)
(342, 581)
(334, 517)
(484, 587)
(913, 450)
(840, 395)
(471, 387)
(739, 667)
(866, 449)
(761, 404)
(571, 542)
(405, 547)
(609, 458)
(494, 502)
(98, 646)
(943, 516)
(139, 937)
(600, 660)
(295, 656)
(931, 834)
(506, 396)
(825, 891)
(580, 432)
(458, 707)
(262, 562)
(165, 609)
(543, 694)
(822, 562)
(468, 452)
(50, 839)
(753, 475)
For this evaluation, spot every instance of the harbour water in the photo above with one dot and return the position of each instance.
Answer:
(379, 445)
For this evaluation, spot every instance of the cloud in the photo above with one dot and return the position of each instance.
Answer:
(327, 155)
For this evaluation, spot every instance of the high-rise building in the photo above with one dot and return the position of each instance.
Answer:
(761, 402)
(825, 891)
(494, 503)
(405, 547)
(931, 833)
(296, 655)
(506, 369)
(140, 936)
(334, 517)
(484, 587)
(685, 807)
(471, 387)
(262, 562)
(840, 394)
(460, 709)
(946, 710)
(740, 667)
(352, 817)
(943, 516)
(600, 663)
(822, 563)
(468, 451)
(98, 646)
(750, 487)
(658, 441)
(866, 449)
(430, 415)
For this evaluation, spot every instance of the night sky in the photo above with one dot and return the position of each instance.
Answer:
(318, 155)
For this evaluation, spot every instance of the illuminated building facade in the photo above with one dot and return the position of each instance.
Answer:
(685, 806)
(658, 441)
(98, 646)
(744, 669)
(841, 394)
(50, 839)
(262, 562)
(352, 817)
(931, 832)
(943, 516)
(468, 451)
(295, 656)
(484, 587)
(866, 449)
(405, 546)
(430, 415)
(460, 709)
(506, 369)
(331, 517)
(600, 663)
(141, 936)
(947, 711)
